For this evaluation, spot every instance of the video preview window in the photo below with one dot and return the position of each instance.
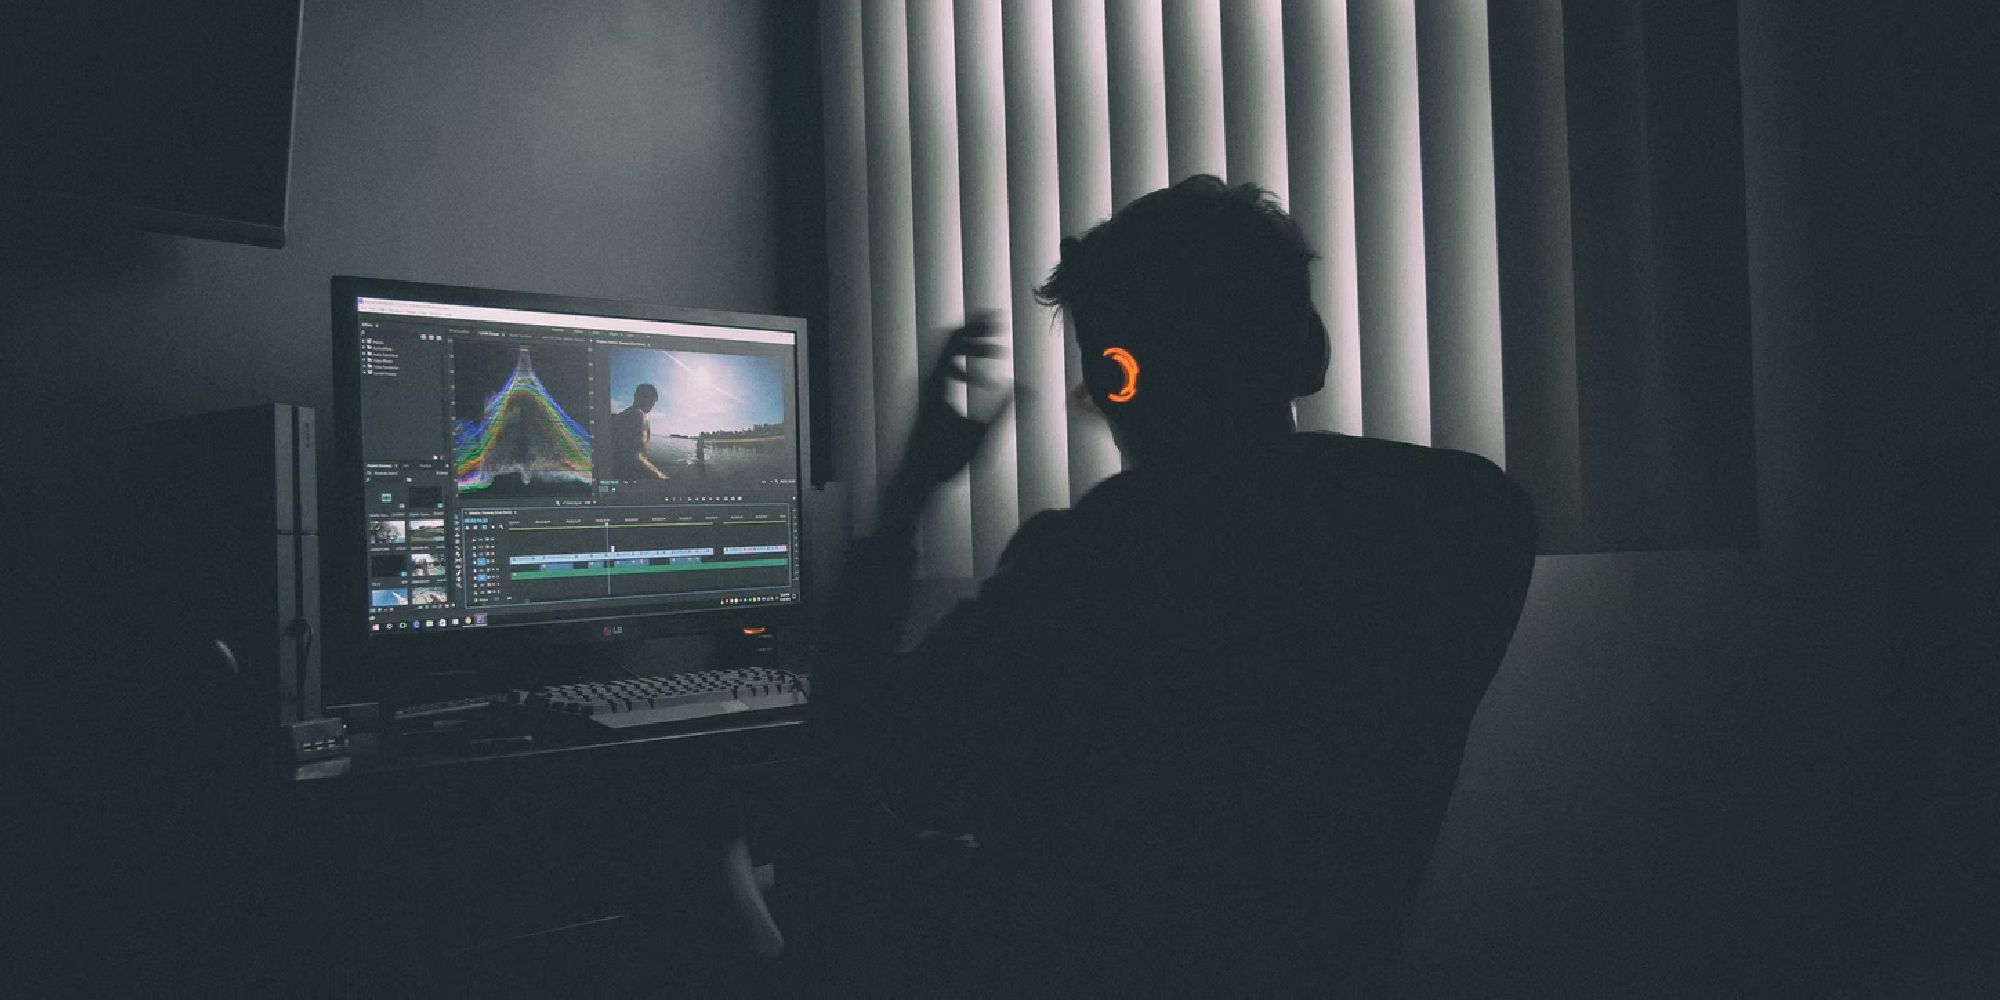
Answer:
(711, 421)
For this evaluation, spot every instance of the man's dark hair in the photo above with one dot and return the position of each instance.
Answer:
(645, 394)
(1214, 279)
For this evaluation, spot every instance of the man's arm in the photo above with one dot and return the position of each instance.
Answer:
(854, 716)
(858, 638)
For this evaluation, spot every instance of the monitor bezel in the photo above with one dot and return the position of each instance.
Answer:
(343, 528)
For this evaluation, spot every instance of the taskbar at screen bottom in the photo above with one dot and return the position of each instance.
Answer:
(444, 619)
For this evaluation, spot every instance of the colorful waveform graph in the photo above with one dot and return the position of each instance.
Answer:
(522, 441)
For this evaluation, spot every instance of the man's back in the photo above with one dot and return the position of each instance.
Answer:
(1207, 722)
(1211, 717)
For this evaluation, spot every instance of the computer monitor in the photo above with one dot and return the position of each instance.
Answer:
(525, 470)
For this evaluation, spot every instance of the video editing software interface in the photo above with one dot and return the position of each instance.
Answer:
(528, 467)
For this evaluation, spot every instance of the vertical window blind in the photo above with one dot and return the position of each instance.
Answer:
(964, 138)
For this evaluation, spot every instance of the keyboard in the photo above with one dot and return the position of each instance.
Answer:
(628, 707)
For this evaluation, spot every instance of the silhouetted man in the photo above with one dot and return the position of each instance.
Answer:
(626, 438)
(1203, 725)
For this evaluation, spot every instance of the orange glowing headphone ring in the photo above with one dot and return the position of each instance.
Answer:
(1130, 365)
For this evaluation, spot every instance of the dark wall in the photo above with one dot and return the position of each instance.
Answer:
(1774, 771)
(619, 149)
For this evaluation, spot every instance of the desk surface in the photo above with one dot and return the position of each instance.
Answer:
(720, 744)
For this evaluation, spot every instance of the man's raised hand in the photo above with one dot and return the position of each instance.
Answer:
(942, 440)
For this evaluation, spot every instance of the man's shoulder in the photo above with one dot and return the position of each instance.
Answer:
(1315, 463)
(1044, 532)
(1380, 454)
(1418, 469)
(1321, 469)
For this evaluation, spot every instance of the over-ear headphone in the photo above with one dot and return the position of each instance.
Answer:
(1113, 375)
(1128, 367)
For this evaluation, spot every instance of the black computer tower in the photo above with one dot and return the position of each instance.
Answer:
(227, 513)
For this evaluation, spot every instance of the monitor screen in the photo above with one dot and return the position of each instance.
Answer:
(539, 461)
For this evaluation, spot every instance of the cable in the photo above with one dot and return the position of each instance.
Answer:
(228, 658)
